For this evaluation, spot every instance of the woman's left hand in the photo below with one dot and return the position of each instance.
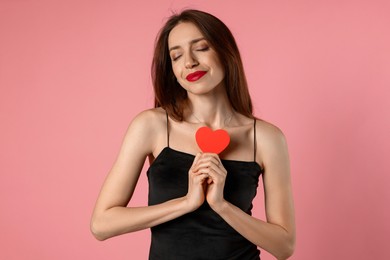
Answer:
(210, 164)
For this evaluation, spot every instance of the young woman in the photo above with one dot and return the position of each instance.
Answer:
(200, 203)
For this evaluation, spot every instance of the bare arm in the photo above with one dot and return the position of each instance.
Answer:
(277, 235)
(111, 216)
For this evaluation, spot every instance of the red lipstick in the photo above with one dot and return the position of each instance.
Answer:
(195, 75)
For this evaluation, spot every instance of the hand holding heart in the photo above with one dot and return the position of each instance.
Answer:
(206, 178)
(211, 165)
(196, 186)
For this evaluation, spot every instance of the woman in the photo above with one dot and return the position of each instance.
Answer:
(200, 202)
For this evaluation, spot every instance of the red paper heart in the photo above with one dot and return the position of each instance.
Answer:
(210, 141)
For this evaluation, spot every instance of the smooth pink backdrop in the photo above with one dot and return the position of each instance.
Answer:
(74, 73)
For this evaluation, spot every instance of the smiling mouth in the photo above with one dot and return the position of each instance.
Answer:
(195, 76)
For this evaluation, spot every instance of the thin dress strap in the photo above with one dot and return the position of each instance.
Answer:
(167, 128)
(254, 140)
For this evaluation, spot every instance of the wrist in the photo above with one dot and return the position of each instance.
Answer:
(188, 205)
(221, 207)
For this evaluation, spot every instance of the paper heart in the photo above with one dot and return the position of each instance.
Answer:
(210, 141)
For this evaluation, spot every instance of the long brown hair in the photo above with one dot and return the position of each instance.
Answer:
(169, 94)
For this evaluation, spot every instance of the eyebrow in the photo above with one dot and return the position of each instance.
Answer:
(191, 42)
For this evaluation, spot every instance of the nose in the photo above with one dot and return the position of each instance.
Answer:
(190, 61)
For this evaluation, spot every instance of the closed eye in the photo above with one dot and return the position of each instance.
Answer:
(203, 48)
(175, 58)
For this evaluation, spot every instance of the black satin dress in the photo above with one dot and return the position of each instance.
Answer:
(201, 234)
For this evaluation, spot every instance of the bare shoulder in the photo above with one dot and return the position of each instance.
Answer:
(270, 139)
(146, 127)
(149, 119)
(269, 131)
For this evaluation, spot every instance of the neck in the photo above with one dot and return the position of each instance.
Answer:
(212, 111)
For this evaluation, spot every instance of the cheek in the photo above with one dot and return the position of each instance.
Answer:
(219, 71)
(176, 71)
(214, 63)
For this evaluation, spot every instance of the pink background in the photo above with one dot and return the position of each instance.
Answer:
(74, 73)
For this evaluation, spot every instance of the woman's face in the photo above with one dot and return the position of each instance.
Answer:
(194, 62)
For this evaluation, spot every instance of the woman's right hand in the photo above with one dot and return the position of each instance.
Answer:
(196, 186)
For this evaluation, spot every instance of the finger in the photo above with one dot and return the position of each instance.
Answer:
(207, 162)
(212, 175)
(206, 168)
(216, 176)
(200, 178)
(214, 155)
(196, 159)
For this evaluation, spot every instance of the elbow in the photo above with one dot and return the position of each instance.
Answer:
(97, 230)
(287, 252)
(288, 249)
